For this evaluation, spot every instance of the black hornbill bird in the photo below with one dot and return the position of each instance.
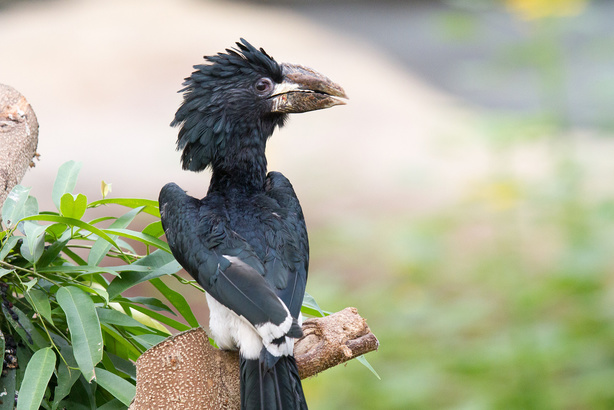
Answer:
(246, 242)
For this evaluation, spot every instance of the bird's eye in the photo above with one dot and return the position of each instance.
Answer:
(264, 86)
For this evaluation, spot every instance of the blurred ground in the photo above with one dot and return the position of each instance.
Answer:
(475, 240)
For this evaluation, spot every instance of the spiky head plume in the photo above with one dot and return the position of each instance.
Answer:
(219, 104)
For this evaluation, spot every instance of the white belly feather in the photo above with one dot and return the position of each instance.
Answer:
(231, 332)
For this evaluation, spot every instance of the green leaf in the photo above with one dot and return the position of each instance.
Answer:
(146, 322)
(148, 340)
(8, 384)
(310, 312)
(87, 269)
(114, 317)
(82, 396)
(84, 328)
(125, 366)
(113, 405)
(122, 389)
(154, 229)
(148, 302)
(57, 230)
(66, 379)
(151, 206)
(162, 263)
(25, 328)
(30, 284)
(37, 376)
(177, 300)
(311, 307)
(67, 373)
(94, 290)
(73, 206)
(141, 237)
(125, 245)
(34, 231)
(363, 360)
(23, 358)
(34, 245)
(65, 181)
(101, 247)
(52, 251)
(9, 244)
(72, 255)
(160, 317)
(13, 208)
(30, 207)
(102, 219)
(118, 342)
(74, 222)
(40, 300)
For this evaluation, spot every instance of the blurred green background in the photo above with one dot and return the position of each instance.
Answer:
(462, 201)
(502, 298)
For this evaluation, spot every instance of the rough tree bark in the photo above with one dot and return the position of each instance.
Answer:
(186, 372)
(18, 139)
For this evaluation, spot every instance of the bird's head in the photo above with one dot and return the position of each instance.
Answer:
(239, 97)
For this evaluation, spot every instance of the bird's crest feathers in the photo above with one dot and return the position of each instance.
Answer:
(248, 56)
(203, 115)
(245, 58)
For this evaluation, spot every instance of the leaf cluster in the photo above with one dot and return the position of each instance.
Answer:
(61, 282)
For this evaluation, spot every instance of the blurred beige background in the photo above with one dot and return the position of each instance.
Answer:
(103, 77)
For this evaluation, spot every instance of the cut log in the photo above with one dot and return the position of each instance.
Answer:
(186, 372)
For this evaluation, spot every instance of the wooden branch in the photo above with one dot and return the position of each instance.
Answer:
(186, 372)
(18, 138)
(332, 340)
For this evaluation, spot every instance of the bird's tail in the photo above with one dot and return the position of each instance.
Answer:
(275, 387)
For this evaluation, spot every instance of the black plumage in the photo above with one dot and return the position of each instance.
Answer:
(246, 241)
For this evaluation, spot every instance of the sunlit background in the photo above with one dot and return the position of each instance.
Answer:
(463, 200)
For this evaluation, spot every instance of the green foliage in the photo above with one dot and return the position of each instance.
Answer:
(480, 306)
(39, 371)
(500, 298)
(62, 278)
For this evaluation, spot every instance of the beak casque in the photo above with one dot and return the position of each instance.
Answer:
(304, 89)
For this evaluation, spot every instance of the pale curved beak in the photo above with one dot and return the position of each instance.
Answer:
(304, 89)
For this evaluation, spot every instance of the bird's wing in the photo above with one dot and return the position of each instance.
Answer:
(287, 256)
(223, 263)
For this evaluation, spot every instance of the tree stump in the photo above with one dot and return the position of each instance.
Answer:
(18, 139)
(186, 372)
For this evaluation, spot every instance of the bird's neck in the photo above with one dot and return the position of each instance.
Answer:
(243, 168)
